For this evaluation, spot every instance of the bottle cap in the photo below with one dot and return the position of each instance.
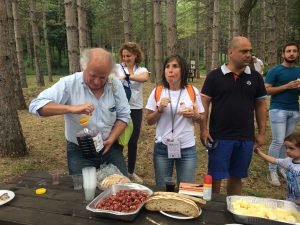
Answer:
(83, 121)
(40, 191)
(208, 179)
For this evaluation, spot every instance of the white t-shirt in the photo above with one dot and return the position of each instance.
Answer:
(136, 100)
(183, 127)
(258, 65)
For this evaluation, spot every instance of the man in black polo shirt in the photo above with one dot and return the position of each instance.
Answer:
(235, 92)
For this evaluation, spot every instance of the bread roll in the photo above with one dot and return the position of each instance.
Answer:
(172, 204)
(113, 179)
(199, 201)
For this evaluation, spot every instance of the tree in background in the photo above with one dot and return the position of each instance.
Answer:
(126, 20)
(18, 40)
(72, 36)
(19, 98)
(158, 55)
(171, 27)
(244, 12)
(271, 33)
(215, 36)
(36, 45)
(48, 56)
(82, 25)
(12, 139)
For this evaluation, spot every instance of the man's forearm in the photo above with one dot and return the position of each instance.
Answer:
(52, 109)
(117, 130)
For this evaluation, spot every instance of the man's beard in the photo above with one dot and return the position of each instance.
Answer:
(289, 60)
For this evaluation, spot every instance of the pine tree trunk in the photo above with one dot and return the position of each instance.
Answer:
(126, 20)
(36, 45)
(208, 41)
(12, 139)
(152, 45)
(48, 56)
(215, 36)
(145, 41)
(72, 36)
(197, 50)
(171, 27)
(236, 18)
(272, 45)
(262, 32)
(82, 25)
(18, 40)
(230, 12)
(245, 10)
(157, 39)
(29, 45)
(19, 98)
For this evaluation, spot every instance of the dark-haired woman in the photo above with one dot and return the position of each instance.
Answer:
(174, 108)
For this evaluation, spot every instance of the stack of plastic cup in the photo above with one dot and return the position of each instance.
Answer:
(89, 182)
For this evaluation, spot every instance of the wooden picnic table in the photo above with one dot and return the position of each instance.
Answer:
(61, 205)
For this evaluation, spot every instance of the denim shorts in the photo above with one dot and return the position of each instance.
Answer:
(185, 166)
(230, 158)
(76, 161)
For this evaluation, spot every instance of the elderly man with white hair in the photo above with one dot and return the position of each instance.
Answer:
(86, 92)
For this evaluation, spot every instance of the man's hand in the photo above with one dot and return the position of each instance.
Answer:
(205, 136)
(259, 140)
(292, 84)
(107, 145)
(83, 109)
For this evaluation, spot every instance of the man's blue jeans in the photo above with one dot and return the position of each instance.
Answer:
(185, 166)
(283, 123)
(76, 161)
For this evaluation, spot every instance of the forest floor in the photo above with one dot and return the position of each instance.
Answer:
(47, 149)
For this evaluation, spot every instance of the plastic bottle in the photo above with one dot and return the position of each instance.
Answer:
(207, 187)
(89, 138)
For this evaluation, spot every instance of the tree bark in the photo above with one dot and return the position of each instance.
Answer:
(236, 18)
(215, 36)
(12, 139)
(19, 98)
(72, 36)
(36, 45)
(208, 41)
(29, 45)
(82, 25)
(197, 50)
(126, 20)
(244, 12)
(262, 31)
(18, 40)
(272, 33)
(48, 56)
(171, 27)
(158, 40)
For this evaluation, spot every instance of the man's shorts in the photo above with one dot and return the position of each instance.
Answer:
(230, 158)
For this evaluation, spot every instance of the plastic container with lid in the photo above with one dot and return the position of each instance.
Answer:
(207, 187)
(89, 138)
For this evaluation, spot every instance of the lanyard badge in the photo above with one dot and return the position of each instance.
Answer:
(174, 150)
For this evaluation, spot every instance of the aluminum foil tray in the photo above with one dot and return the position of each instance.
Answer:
(111, 191)
(267, 202)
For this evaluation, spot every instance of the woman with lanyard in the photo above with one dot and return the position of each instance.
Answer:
(174, 109)
(133, 76)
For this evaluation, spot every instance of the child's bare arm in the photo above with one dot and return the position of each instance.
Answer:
(297, 201)
(265, 156)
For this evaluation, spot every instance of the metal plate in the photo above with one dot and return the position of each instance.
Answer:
(267, 202)
(111, 191)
